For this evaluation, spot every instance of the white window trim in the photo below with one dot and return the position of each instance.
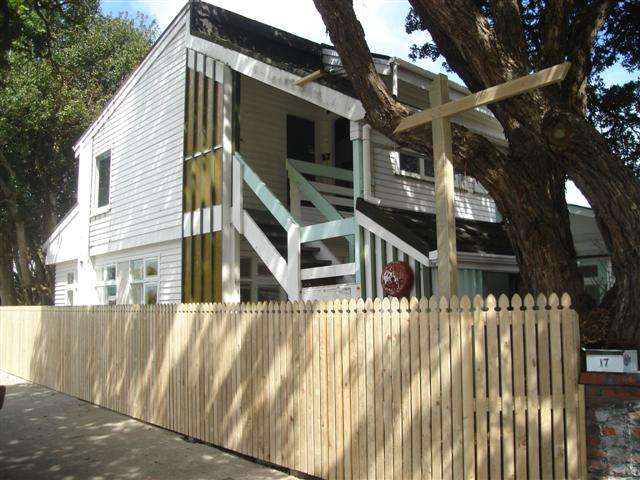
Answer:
(95, 209)
(395, 163)
(459, 179)
(107, 283)
(155, 279)
(71, 287)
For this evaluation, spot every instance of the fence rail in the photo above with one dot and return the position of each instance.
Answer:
(376, 389)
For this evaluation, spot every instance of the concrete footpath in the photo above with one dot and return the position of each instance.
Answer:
(45, 434)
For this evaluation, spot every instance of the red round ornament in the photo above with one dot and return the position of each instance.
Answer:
(397, 279)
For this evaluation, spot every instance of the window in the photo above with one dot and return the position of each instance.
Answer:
(103, 180)
(144, 281)
(70, 288)
(595, 277)
(257, 283)
(107, 287)
(301, 139)
(415, 164)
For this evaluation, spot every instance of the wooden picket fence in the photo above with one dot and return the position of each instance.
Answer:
(345, 389)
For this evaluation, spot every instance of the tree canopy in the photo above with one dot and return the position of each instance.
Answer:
(65, 60)
(613, 108)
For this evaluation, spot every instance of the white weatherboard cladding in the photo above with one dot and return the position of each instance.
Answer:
(64, 244)
(170, 274)
(414, 194)
(145, 136)
(61, 286)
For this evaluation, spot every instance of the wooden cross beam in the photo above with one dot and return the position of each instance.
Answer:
(439, 114)
(545, 77)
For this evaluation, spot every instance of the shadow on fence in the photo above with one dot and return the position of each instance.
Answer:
(345, 389)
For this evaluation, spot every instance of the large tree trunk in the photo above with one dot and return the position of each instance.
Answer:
(614, 194)
(7, 286)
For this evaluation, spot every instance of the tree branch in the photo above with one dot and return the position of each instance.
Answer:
(508, 27)
(383, 111)
(588, 22)
(554, 32)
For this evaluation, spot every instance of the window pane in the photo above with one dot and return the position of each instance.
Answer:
(150, 293)
(151, 268)
(136, 269)
(70, 278)
(135, 293)
(112, 291)
(69, 297)
(429, 169)
(409, 163)
(104, 174)
(301, 142)
(589, 271)
(110, 273)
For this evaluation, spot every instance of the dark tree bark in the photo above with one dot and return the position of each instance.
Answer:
(527, 183)
(7, 286)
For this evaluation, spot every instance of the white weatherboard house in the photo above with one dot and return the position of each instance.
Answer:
(215, 174)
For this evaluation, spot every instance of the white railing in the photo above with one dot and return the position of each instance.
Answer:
(380, 246)
(287, 272)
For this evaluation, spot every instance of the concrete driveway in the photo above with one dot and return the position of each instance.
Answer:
(45, 434)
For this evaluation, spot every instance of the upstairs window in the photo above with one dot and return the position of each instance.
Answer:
(416, 164)
(103, 180)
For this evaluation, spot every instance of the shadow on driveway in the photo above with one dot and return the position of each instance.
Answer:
(47, 435)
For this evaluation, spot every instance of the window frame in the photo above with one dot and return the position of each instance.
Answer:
(103, 284)
(463, 183)
(397, 168)
(70, 289)
(97, 209)
(145, 281)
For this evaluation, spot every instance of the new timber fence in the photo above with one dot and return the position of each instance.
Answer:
(344, 389)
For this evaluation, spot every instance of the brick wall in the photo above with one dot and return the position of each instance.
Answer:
(612, 402)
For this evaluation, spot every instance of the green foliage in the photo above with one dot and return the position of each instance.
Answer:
(54, 84)
(613, 109)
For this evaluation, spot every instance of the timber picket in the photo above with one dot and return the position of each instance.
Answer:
(429, 388)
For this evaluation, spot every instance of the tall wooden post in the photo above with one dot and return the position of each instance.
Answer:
(445, 207)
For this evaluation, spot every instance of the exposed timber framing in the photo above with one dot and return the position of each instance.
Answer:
(445, 201)
(545, 77)
(320, 95)
(312, 77)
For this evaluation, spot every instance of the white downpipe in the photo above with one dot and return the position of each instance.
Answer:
(367, 166)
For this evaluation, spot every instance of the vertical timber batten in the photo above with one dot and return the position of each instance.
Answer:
(445, 209)
(202, 180)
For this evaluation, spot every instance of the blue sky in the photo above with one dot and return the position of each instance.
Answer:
(383, 22)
